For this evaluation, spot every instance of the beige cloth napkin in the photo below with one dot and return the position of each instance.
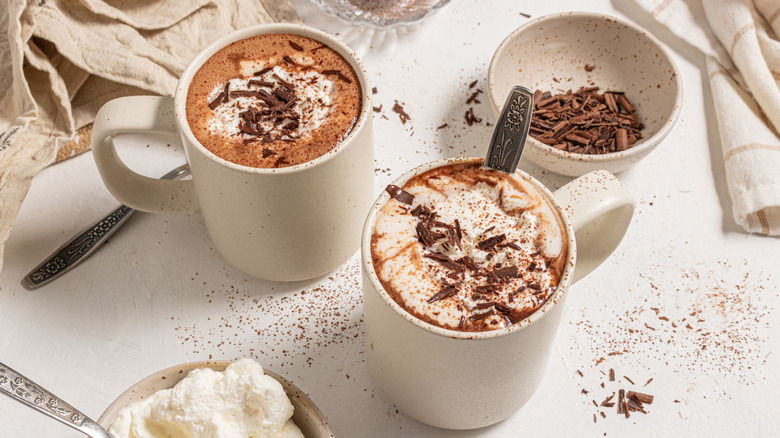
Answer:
(739, 41)
(62, 60)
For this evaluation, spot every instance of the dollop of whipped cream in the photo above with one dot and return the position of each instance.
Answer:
(240, 402)
(312, 94)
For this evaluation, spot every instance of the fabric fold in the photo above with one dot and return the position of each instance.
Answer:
(64, 59)
(739, 41)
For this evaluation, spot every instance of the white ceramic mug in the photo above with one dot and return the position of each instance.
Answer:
(282, 224)
(465, 380)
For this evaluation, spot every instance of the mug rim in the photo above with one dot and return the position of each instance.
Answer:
(538, 314)
(180, 97)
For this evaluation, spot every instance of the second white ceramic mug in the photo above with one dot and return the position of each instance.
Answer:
(282, 224)
(465, 380)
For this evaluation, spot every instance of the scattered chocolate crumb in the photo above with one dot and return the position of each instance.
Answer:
(629, 380)
(442, 126)
(398, 109)
(373, 90)
(525, 15)
(378, 109)
(648, 382)
(473, 84)
(473, 97)
(589, 68)
(611, 375)
(470, 118)
(580, 373)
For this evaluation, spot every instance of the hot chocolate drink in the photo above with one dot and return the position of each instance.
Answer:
(273, 100)
(468, 248)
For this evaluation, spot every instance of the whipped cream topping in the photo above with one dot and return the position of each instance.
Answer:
(312, 94)
(240, 402)
(476, 249)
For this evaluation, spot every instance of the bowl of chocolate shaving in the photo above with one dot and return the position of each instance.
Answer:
(606, 92)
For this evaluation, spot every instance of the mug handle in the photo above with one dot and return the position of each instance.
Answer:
(600, 209)
(139, 114)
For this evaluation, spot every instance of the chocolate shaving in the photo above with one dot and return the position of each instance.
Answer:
(486, 289)
(490, 242)
(288, 60)
(509, 271)
(446, 292)
(399, 194)
(445, 261)
(424, 234)
(338, 74)
(481, 316)
(641, 398)
(268, 152)
(261, 83)
(284, 83)
(263, 71)
(221, 98)
(468, 262)
(283, 95)
(296, 46)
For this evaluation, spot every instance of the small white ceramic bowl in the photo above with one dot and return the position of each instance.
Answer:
(550, 54)
(306, 415)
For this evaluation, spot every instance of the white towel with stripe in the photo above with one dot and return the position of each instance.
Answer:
(739, 40)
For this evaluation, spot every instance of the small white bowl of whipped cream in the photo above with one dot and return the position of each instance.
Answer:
(215, 399)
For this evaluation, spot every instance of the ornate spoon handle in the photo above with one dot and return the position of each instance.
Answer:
(511, 130)
(85, 243)
(27, 392)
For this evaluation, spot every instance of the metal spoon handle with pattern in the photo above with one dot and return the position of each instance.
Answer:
(511, 131)
(80, 247)
(29, 393)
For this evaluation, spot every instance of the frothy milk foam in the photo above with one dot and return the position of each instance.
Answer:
(477, 249)
(273, 100)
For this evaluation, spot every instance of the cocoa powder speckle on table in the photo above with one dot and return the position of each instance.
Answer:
(710, 320)
(279, 327)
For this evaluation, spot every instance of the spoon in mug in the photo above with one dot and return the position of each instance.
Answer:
(511, 130)
(29, 393)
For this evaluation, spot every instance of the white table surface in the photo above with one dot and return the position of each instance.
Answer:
(687, 300)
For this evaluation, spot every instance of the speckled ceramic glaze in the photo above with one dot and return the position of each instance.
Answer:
(465, 380)
(550, 54)
(306, 415)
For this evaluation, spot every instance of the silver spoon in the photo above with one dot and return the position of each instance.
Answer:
(511, 130)
(27, 392)
(81, 246)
